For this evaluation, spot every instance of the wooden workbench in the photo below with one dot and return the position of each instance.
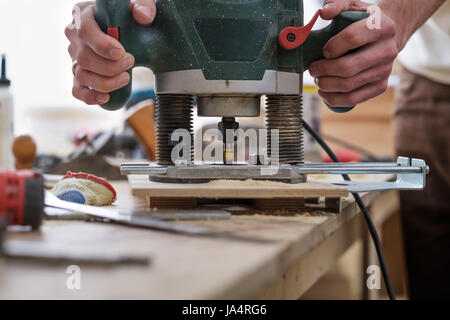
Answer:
(303, 249)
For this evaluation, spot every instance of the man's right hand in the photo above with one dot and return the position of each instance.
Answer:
(100, 61)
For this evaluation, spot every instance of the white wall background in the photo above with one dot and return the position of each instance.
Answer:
(32, 36)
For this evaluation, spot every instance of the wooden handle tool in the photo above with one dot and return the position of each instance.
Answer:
(24, 150)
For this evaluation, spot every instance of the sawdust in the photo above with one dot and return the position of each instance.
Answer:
(302, 212)
(250, 183)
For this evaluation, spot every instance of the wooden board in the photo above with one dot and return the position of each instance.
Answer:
(226, 189)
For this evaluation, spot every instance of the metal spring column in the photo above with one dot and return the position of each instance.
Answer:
(285, 113)
(172, 112)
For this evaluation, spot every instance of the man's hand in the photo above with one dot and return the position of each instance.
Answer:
(100, 61)
(346, 79)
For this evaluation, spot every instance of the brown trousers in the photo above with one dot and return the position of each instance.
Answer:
(422, 130)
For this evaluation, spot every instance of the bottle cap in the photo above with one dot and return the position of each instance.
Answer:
(3, 80)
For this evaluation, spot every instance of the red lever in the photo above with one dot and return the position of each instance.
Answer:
(293, 37)
(114, 32)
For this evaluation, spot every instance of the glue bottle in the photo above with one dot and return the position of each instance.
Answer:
(6, 120)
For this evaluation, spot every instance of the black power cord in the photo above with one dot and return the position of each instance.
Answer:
(361, 205)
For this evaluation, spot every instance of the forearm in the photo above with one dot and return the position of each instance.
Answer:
(409, 15)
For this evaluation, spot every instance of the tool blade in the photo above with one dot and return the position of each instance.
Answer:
(141, 220)
(53, 201)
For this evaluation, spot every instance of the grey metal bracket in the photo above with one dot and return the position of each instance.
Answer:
(411, 173)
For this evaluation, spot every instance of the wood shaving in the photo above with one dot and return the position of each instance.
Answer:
(250, 183)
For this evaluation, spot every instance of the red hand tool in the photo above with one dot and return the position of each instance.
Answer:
(21, 198)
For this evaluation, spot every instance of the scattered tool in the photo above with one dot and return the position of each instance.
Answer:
(90, 156)
(22, 198)
(31, 251)
(52, 213)
(226, 72)
(94, 150)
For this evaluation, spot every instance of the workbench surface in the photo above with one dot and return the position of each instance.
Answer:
(303, 247)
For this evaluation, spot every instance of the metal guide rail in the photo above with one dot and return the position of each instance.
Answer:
(410, 173)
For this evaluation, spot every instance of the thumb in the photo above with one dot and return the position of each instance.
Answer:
(331, 8)
(144, 11)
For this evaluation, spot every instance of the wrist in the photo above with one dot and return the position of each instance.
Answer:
(407, 17)
(392, 8)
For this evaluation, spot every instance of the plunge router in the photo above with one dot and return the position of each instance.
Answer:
(223, 56)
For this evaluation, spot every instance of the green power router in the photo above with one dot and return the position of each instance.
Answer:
(223, 55)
